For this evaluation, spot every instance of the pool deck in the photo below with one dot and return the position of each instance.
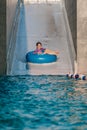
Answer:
(44, 23)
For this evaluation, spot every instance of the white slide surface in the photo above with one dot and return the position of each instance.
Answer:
(42, 22)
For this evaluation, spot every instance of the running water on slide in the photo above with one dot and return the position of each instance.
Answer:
(43, 22)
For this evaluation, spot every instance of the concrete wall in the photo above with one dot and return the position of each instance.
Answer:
(71, 6)
(77, 16)
(8, 27)
(7, 11)
(82, 36)
(3, 37)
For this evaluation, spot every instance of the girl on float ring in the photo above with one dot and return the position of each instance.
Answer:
(39, 50)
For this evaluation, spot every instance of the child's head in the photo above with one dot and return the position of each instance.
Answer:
(38, 45)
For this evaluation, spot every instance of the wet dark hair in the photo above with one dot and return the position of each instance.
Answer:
(38, 43)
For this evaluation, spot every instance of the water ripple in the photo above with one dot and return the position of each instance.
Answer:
(42, 103)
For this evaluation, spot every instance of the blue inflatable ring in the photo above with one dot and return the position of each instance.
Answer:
(40, 58)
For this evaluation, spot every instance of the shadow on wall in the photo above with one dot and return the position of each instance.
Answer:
(71, 8)
(12, 28)
(2, 37)
(21, 40)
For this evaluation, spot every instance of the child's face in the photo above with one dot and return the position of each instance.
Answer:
(39, 46)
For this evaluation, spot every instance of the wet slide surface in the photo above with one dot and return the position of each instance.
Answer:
(45, 23)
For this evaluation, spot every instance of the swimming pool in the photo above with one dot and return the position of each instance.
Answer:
(42, 103)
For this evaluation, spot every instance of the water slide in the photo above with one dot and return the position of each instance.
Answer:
(44, 22)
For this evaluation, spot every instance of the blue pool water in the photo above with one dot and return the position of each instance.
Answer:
(42, 103)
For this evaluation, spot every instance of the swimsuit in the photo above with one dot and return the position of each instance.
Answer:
(39, 51)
